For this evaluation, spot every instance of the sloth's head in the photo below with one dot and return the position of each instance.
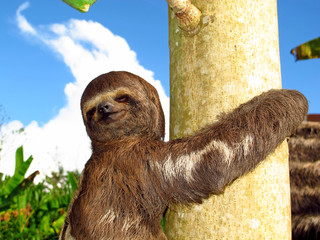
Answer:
(117, 105)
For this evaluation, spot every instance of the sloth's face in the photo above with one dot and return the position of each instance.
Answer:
(118, 105)
(108, 107)
(110, 114)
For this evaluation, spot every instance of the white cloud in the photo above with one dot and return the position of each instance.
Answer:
(88, 49)
(22, 22)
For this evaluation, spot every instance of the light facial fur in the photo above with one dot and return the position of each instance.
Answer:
(105, 96)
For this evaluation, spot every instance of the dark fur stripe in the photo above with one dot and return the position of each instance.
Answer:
(305, 227)
(305, 181)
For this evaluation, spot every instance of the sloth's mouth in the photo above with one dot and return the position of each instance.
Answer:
(112, 116)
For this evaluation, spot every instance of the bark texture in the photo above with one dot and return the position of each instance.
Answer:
(233, 58)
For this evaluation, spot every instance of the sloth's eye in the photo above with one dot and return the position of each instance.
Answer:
(90, 113)
(123, 98)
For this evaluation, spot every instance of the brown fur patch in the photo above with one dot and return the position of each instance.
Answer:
(132, 176)
(304, 151)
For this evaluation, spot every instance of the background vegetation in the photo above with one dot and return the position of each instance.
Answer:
(34, 211)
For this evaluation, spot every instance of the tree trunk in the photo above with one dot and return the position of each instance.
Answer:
(234, 57)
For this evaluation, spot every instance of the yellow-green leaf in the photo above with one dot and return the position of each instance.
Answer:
(80, 5)
(307, 50)
(57, 224)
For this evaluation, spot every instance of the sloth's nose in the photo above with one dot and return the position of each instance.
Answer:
(105, 108)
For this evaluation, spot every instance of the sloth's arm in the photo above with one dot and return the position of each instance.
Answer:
(206, 162)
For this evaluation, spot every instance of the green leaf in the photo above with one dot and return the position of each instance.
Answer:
(21, 166)
(23, 185)
(73, 181)
(6, 202)
(22, 201)
(307, 50)
(57, 224)
(80, 5)
(20, 170)
(45, 223)
(19, 159)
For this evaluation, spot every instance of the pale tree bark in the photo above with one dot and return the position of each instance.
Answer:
(233, 56)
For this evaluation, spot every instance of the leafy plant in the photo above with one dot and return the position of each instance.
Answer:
(11, 186)
(34, 211)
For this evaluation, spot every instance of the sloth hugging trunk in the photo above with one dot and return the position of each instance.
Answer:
(133, 175)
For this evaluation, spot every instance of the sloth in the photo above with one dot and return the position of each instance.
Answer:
(132, 175)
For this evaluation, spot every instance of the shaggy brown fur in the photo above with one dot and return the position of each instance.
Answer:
(305, 227)
(132, 175)
(305, 181)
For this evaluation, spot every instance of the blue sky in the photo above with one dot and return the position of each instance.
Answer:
(32, 75)
(46, 59)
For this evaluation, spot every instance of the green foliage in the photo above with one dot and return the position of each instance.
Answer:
(13, 182)
(80, 5)
(307, 50)
(34, 211)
